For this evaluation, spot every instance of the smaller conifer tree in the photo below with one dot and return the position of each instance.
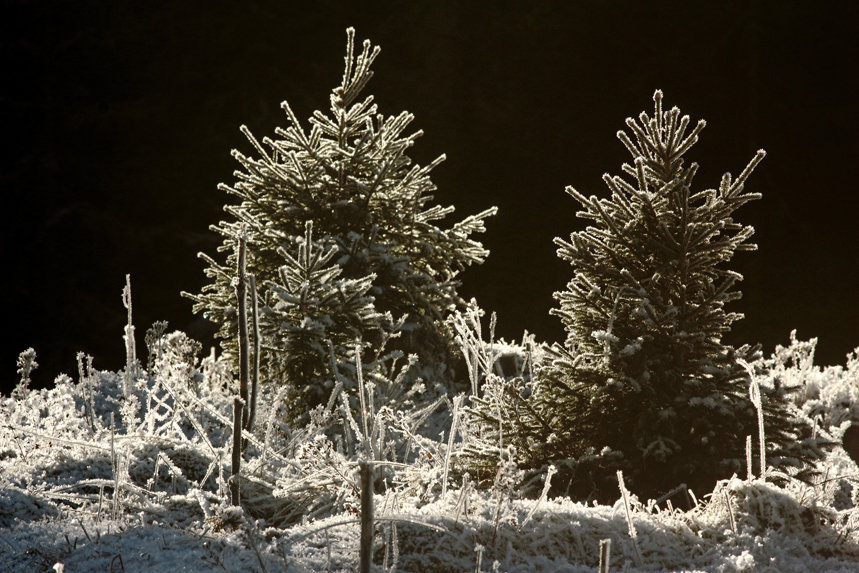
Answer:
(312, 316)
(643, 382)
(352, 177)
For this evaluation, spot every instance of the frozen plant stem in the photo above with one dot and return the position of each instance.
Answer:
(26, 364)
(632, 532)
(89, 404)
(368, 451)
(114, 462)
(255, 379)
(242, 297)
(755, 395)
(462, 504)
(749, 458)
(457, 403)
(328, 550)
(237, 450)
(241, 399)
(730, 511)
(546, 486)
(129, 338)
(605, 555)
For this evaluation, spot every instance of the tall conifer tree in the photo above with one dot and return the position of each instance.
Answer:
(351, 177)
(644, 382)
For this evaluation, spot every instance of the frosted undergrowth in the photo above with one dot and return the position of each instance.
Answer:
(98, 479)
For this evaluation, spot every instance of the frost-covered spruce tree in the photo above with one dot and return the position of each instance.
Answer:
(644, 382)
(313, 315)
(351, 176)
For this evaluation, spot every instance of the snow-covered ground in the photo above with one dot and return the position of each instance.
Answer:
(164, 447)
(774, 532)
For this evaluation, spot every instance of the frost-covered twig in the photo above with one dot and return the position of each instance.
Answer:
(270, 422)
(462, 504)
(469, 336)
(58, 440)
(552, 471)
(236, 459)
(130, 351)
(626, 506)
(730, 510)
(26, 364)
(755, 395)
(749, 458)
(240, 407)
(362, 391)
(86, 389)
(457, 404)
(114, 465)
(257, 345)
(605, 555)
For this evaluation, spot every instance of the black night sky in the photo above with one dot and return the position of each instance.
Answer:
(118, 119)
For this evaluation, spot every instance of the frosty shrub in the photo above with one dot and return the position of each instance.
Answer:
(26, 364)
(828, 395)
(643, 382)
(81, 447)
(88, 443)
(351, 177)
(496, 369)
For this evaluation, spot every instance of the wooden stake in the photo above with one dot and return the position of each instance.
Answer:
(366, 516)
(605, 555)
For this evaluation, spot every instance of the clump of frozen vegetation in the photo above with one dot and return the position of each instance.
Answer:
(145, 478)
(198, 465)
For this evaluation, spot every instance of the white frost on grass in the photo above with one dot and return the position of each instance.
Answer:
(168, 452)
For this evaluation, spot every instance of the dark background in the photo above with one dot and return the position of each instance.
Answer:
(118, 119)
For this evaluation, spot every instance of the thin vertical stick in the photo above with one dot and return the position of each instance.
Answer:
(91, 388)
(366, 470)
(749, 458)
(241, 295)
(129, 338)
(457, 403)
(327, 551)
(546, 486)
(239, 402)
(694, 498)
(605, 555)
(114, 462)
(255, 379)
(761, 435)
(364, 413)
(755, 396)
(221, 483)
(730, 510)
(237, 450)
(632, 532)
(478, 548)
(89, 414)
